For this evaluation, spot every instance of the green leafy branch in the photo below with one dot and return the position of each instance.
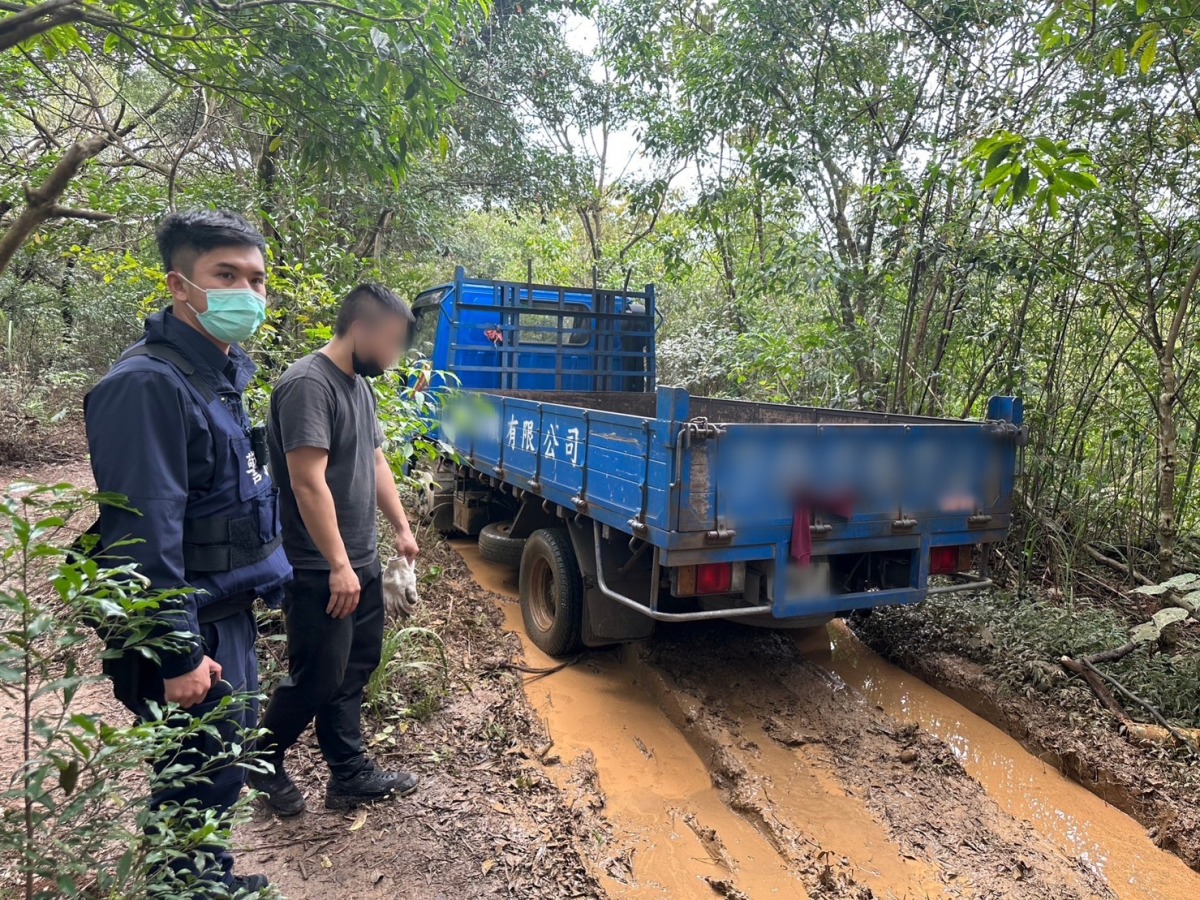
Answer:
(1015, 169)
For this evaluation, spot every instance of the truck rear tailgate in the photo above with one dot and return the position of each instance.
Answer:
(951, 478)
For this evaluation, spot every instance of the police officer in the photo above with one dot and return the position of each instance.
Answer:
(168, 429)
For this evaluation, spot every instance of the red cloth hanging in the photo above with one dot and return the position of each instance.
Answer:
(801, 549)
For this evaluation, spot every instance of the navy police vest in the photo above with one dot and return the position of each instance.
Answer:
(231, 533)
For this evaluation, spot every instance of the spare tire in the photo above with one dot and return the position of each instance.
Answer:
(496, 544)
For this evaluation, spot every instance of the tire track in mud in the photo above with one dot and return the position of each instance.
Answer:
(727, 762)
(1078, 822)
(672, 834)
(810, 758)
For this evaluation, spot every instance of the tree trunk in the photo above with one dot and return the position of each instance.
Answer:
(265, 173)
(1168, 451)
(41, 203)
(1168, 437)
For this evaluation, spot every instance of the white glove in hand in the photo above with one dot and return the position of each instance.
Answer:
(400, 588)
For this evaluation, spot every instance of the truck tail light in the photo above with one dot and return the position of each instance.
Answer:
(948, 560)
(714, 578)
(708, 578)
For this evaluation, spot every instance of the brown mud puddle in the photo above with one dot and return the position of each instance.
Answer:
(657, 791)
(736, 762)
(1078, 822)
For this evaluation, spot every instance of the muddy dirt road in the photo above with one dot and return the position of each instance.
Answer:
(715, 761)
(751, 764)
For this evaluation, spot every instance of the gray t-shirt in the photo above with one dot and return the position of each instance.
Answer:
(316, 404)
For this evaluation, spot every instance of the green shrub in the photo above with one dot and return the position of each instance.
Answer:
(75, 819)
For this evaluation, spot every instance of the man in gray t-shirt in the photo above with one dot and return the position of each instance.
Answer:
(316, 404)
(326, 457)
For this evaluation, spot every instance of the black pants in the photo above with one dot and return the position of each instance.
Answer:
(187, 780)
(329, 663)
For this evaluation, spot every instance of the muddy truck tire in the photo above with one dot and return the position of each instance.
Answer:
(496, 544)
(551, 588)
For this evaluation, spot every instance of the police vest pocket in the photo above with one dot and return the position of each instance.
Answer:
(266, 510)
(253, 480)
(227, 543)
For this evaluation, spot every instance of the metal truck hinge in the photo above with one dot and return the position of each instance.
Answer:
(1018, 434)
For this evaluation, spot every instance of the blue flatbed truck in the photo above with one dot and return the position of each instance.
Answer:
(624, 503)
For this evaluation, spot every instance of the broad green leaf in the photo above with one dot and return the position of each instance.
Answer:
(68, 775)
(1079, 180)
(1046, 145)
(996, 157)
(1020, 185)
(998, 174)
(1149, 53)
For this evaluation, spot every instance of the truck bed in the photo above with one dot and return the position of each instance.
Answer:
(704, 479)
(718, 409)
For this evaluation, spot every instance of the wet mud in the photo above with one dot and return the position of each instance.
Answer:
(745, 763)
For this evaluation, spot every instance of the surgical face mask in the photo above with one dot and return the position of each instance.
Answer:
(233, 314)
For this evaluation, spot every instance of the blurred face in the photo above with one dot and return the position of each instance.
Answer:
(379, 341)
(224, 267)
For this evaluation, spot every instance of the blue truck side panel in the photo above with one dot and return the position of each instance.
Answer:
(617, 464)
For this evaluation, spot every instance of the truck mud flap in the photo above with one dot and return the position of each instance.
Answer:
(606, 622)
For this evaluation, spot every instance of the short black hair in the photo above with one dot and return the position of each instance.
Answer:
(182, 236)
(365, 301)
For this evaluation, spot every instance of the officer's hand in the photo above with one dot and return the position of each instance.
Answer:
(190, 689)
(406, 546)
(344, 588)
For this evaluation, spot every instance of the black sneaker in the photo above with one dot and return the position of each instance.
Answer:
(249, 885)
(367, 786)
(282, 796)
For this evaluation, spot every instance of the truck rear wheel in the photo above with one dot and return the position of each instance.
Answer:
(496, 544)
(552, 592)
